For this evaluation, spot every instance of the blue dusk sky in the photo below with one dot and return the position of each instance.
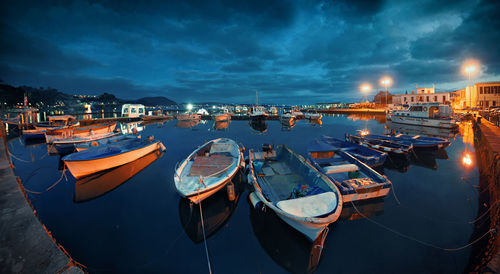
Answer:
(292, 52)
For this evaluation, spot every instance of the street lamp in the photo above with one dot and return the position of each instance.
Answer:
(470, 67)
(365, 88)
(386, 82)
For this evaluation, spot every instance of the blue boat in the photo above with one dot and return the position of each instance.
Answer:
(105, 141)
(355, 180)
(419, 143)
(68, 145)
(371, 157)
(32, 134)
(392, 148)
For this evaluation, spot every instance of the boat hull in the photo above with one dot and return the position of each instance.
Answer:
(80, 169)
(416, 121)
(310, 230)
(381, 193)
(222, 118)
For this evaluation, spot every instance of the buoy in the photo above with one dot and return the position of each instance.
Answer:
(230, 191)
(256, 202)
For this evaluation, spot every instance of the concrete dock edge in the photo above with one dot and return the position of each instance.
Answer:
(26, 246)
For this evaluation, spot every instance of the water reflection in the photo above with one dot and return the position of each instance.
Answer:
(217, 210)
(128, 128)
(99, 184)
(368, 208)
(285, 245)
(187, 123)
(259, 126)
(317, 122)
(424, 159)
(287, 125)
(380, 118)
(221, 125)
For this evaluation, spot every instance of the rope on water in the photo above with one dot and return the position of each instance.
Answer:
(19, 159)
(50, 187)
(205, 239)
(417, 240)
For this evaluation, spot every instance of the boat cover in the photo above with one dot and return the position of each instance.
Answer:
(310, 206)
(340, 168)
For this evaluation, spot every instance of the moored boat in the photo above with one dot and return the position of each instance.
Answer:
(97, 129)
(313, 115)
(100, 158)
(222, 116)
(393, 149)
(207, 169)
(355, 180)
(105, 141)
(296, 191)
(67, 145)
(187, 116)
(369, 156)
(425, 114)
(419, 143)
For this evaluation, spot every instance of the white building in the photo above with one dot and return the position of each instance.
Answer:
(423, 95)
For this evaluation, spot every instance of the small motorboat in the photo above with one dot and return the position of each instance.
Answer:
(207, 169)
(419, 144)
(296, 191)
(100, 158)
(371, 157)
(55, 122)
(392, 148)
(287, 117)
(96, 129)
(355, 180)
(313, 115)
(67, 145)
(32, 134)
(222, 116)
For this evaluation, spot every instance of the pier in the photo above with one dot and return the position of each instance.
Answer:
(487, 251)
(380, 111)
(26, 246)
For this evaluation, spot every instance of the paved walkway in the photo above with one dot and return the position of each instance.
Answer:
(492, 133)
(25, 245)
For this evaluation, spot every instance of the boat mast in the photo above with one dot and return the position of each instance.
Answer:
(257, 97)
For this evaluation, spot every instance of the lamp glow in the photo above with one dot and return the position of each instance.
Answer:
(366, 88)
(189, 107)
(467, 160)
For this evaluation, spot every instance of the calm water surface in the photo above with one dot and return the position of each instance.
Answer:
(113, 223)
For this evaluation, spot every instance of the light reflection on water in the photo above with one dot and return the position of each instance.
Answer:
(138, 223)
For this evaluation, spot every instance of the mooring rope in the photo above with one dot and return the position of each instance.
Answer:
(50, 187)
(19, 159)
(417, 240)
(205, 239)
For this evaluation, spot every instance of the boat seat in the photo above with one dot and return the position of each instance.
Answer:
(310, 206)
(340, 168)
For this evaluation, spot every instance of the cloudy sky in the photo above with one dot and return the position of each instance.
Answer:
(290, 51)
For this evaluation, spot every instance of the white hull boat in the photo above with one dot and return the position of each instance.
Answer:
(427, 114)
(208, 169)
(296, 191)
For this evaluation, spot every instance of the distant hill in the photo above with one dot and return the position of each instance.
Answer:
(153, 101)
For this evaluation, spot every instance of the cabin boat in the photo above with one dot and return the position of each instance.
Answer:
(132, 110)
(100, 158)
(287, 117)
(313, 115)
(258, 113)
(425, 114)
(393, 149)
(355, 180)
(273, 111)
(97, 129)
(296, 191)
(369, 156)
(208, 169)
(222, 116)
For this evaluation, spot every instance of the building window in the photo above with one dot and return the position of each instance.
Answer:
(435, 98)
(444, 98)
(405, 99)
(487, 90)
(427, 98)
(412, 99)
(481, 90)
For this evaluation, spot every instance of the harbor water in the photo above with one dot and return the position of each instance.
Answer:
(131, 219)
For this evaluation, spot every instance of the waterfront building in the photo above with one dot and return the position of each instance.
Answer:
(480, 95)
(328, 105)
(423, 95)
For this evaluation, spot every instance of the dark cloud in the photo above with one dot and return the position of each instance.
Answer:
(291, 51)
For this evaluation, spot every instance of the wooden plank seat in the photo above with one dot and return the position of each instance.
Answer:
(209, 165)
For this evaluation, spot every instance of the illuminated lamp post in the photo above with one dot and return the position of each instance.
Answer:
(386, 82)
(470, 67)
(365, 89)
